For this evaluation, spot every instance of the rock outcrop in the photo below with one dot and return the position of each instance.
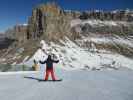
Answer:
(50, 22)
(118, 15)
(18, 33)
(5, 42)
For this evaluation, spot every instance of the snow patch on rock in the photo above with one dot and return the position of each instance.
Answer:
(76, 22)
(95, 23)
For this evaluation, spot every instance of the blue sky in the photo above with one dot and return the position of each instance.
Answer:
(17, 11)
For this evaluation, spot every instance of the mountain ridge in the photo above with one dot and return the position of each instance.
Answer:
(50, 23)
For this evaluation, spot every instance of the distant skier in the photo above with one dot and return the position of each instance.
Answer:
(49, 67)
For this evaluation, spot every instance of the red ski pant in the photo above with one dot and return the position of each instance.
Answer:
(50, 71)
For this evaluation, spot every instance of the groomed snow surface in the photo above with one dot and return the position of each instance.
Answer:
(76, 85)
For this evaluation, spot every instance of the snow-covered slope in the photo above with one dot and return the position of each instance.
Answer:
(95, 22)
(72, 57)
(110, 40)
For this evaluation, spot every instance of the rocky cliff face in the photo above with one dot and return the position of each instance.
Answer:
(18, 33)
(51, 22)
(117, 15)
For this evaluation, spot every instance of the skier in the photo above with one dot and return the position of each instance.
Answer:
(49, 67)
